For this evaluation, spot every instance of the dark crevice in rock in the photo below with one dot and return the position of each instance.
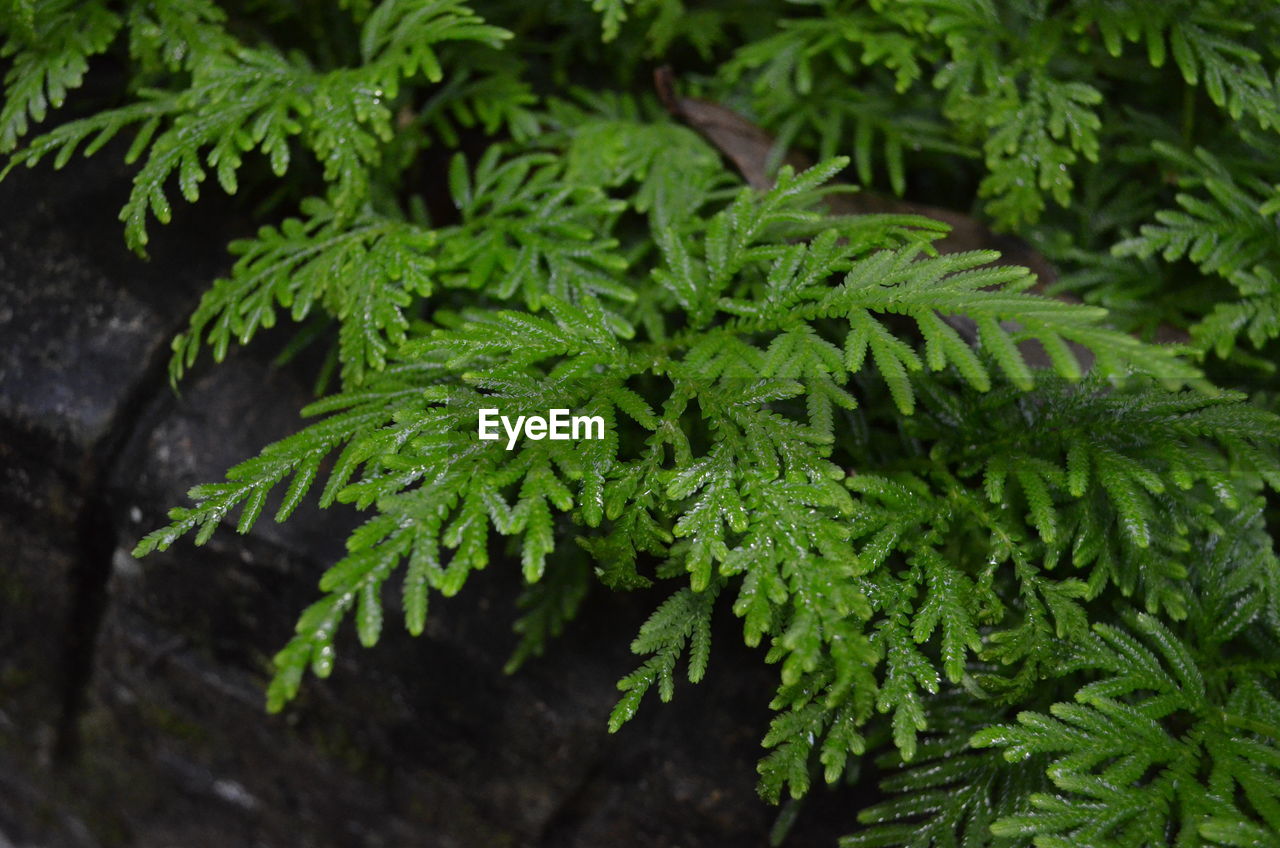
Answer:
(97, 539)
(96, 543)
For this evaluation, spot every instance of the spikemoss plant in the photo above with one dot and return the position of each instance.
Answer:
(1040, 591)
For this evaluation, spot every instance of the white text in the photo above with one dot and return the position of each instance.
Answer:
(558, 426)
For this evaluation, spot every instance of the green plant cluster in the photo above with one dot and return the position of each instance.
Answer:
(1039, 604)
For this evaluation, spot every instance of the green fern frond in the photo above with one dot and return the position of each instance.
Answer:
(1228, 228)
(48, 45)
(939, 491)
(1174, 740)
(950, 795)
(243, 98)
(363, 272)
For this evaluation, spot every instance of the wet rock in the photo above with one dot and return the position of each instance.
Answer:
(218, 417)
(35, 607)
(415, 742)
(83, 322)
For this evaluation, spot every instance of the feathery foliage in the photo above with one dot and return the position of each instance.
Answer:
(1010, 553)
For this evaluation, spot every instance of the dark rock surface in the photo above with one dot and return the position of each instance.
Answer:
(131, 692)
